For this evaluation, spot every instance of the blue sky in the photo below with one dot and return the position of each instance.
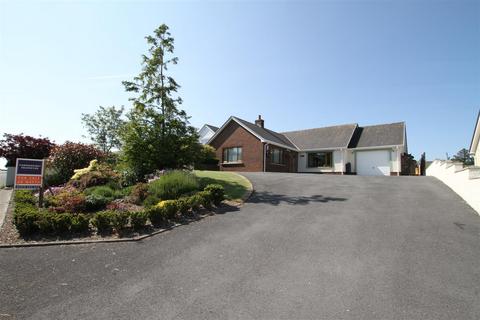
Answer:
(299, 64)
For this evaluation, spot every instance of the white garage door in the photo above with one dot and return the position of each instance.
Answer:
(373, 163)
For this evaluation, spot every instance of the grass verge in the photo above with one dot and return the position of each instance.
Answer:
(236, 186)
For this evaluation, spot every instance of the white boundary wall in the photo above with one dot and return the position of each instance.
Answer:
(3, 178)
(464, 181)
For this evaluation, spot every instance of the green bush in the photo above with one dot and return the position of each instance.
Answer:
(29, 219)
(119, 220)
(128, 177)
(103, 221)
(217, 193)
(57, 223)
(170, 207)
(157, 215)
(138, 219)
(25, 196)
(183, 205)
(126, 191)
(61, 222)
(80, 223)
(25, 218)
(194, 202)
(173, 184)
(95, 202)
(150, 201)
(206, 199)
(44, 222)
(104, 191)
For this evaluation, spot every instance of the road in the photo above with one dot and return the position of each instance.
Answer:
(304, 247)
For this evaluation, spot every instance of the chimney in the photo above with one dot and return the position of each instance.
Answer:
(260, 122)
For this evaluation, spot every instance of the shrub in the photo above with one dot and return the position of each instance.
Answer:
(44, 221)
(104, 191)
(173, 184)
(19, 146)
(95, 202)
(157, 215)
(127, 176)
(183, 205)
(102, 221)
(206, 199)
(119, 220)
(25, 217)
(57, 223)
(53, 177)
(138, 219)
(70, 200)
(64, 159)
(170, 207)
(80, 223)
(29, 219)
(217, 193)
(94, 175)
(139, 193)
(25, 196)
(194, 202)
(150, 201)
(61, 222)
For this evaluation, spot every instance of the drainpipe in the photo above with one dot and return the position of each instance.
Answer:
(343, 161)
(265, 157)
(399, 161)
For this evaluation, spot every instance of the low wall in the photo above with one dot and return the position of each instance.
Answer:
(3, 179)
(464, 181)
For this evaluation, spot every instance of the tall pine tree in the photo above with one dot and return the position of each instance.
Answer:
(157, 134)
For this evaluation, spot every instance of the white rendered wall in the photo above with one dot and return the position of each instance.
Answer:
(465, 182)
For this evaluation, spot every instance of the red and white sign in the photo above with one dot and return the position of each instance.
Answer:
(29, 173)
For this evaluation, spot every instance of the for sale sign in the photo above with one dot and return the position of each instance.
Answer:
(29, 173)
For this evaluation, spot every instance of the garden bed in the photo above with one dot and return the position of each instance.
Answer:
(123, 214)
(10, 237)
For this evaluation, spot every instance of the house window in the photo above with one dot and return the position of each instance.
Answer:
(320, 159)
(276, 156)
(232, 154)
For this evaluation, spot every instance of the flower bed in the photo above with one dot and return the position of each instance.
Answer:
(109, 210)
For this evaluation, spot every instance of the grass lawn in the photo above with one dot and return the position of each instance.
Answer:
(235, 185)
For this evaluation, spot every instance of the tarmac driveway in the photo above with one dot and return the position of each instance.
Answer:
(304, 247)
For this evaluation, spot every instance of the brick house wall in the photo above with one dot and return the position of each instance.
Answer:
(236, 136)
(289, 163)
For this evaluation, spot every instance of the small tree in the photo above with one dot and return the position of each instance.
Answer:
(464, 157)
(157, 134)
(207, 158)
(22, 146)
(104, 127)
(69, 156)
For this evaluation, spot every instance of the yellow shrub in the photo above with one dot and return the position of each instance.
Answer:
(80, 172)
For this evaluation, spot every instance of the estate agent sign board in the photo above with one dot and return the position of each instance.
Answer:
(29, 173)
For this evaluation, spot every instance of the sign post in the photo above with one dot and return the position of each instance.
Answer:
(29, 175)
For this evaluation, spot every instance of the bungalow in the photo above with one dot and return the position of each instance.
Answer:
(474, 145)
(343, 149)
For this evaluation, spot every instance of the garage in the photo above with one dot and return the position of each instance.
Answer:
(373, 163)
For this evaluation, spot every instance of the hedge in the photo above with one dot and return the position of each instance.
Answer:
(217, 193)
